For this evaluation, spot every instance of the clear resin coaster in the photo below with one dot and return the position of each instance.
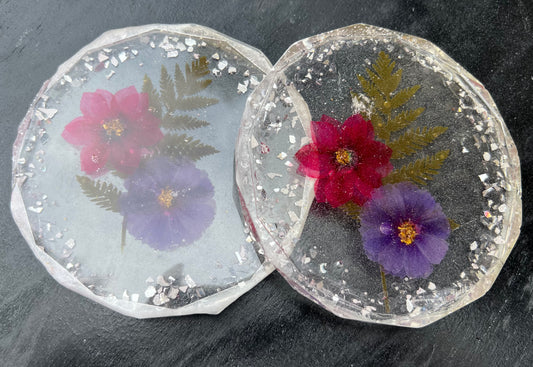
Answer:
(123, 171)
(379, 176)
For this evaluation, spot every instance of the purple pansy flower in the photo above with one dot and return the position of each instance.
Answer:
(404, 230)
(168, 203)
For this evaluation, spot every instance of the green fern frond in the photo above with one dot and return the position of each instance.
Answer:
(177, 146)
(179, 80)
(194, 103)
(153, 96)
(403, 96)
(352, 210)
(200, 67)
(182, 122)
(403, 119)
(103, 194)
(413, 140)
(419, 171)
(168, 94)
(372, 92)
(453, 224)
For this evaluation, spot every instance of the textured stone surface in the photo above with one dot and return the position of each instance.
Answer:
(127, 197)
(434, 126)
(44, 324)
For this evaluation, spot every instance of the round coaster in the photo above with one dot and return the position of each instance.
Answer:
(123, 179)
(379, 176)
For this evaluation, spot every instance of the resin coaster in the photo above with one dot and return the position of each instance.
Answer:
(379, 177)
(123, 178)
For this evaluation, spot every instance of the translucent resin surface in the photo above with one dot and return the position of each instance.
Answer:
(379, 177)
(123, 171)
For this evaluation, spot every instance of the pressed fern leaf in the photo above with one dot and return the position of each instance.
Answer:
(372, 92)
(352, 210)
(453, 224)
(176, 146)
(403, 119)
(189, 84)
(403, 96)
(103, 194)
(413, 140)
(182, 122)
(381, 87)
(166, 86)
(419, 171)
(384, 79)
(194, 103)
(153, 96)
(179, 80)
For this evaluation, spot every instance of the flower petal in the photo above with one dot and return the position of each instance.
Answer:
(314, 163)
(130, 103)
(356, 130)
(94, 159)
(325, 133)
(432, 247)
(124, 158)
(391, 258)
(82, 131)
(374, 153)
(97, 105)
(415, 264)
(339, 188)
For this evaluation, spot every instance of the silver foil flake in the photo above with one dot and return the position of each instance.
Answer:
(37, 210)
(172, 54)
(102, 57)
(190, 42)
(222, 64)
(161, 281)
(150, 291)
(190, 282)
(122, 56)
(160, 299)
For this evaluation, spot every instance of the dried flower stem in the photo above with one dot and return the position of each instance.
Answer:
(385, 292)
(123, 237)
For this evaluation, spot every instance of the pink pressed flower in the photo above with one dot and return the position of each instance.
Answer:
(113, 131)
(346, 160)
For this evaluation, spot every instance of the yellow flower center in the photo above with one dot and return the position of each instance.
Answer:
(343, 157)
(166, 198)
(113, 127)
(407, 232)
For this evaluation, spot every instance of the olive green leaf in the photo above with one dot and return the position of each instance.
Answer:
(453, 224)
(153, 96)
(103, 194)
(182, 122)
(352, 210)
(166, 86)
(176, 146)
(380, 87)
(419, 171)
(413, 140)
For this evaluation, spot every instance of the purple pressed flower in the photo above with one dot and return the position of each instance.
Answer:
(168, 204)
(404, 230)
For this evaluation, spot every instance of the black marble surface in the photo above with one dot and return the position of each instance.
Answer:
(44, 324)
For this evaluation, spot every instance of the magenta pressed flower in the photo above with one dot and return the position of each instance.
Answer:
(404, 230)
(168, 204)
(113, 131)
(346, 160)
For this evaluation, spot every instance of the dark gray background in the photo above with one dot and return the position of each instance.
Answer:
(44, 324)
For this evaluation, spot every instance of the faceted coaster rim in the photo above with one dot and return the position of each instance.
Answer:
(278, 253)
(212, 304)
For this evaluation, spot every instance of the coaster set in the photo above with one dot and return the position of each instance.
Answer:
(370, 169)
